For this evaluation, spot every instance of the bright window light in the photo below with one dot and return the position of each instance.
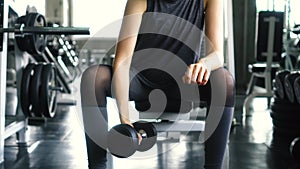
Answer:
(97, 14)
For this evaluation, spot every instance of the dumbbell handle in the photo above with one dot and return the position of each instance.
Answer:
(56, 88)
(49, 30)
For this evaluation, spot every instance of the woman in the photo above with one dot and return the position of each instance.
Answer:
(154, 34)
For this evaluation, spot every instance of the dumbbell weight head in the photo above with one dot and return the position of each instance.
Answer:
(288, 133)
(284, 104)
(148, 133)
(289, 86)
(295, 149)
(285, 125)
(279, 83)
(122, 141)
(297, 89)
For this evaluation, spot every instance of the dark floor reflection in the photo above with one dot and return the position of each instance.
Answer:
(59, 144)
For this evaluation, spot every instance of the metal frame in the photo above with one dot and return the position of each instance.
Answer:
(266, 74)
(19, 123)
(173, 122)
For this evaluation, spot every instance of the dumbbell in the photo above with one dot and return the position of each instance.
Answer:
(295, 149)
(279, 83)
(289, 85)
(123, 140)
(297, 89)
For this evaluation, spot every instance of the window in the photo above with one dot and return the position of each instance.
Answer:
(281, 5)
(97, 14)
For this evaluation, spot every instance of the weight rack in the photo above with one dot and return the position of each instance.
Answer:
(16, 125)
(29, 44)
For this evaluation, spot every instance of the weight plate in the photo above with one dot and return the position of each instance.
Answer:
(290, 117)
(37, 42)
(286, 132)
(150, 137)
(122, 141)
(25, 100)
(279, 83)
(281, 140)
(297, 89)
(48, 95)
(281, 102)
(295, 149)
(291, 126)
(289, 85)
(34, 44)
(22, 41)
(35, 86)
(292, 109)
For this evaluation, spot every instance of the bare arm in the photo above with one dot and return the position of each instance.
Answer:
(214, 33)
(199, 72)
(124, 51)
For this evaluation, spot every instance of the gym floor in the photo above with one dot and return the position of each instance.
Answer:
(59, 144)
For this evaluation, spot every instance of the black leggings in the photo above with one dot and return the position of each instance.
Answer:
(96, 86)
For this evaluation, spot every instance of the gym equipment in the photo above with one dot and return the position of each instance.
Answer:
(30, 31)
(65, 56)
(297, 89)
(279, 83)
(268, 55)
(32, 43)
(148, 133)
(289, 85)
(295, 149)
(63, 75)
(48, 91)
(123, 139)
(24, 90)
(41, 29)
(264, 20)
(39, 90)
(286, 125)
(284, 106)
(284, 132)
(288, 60)
(30, 34)
(22, 29)
(286, 117)
(35, 86)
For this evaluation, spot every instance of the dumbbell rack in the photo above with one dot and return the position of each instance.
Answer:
(18, 124)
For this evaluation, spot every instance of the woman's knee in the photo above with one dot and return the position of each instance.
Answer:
(95, 79)
(226, 82)
(89, 74)
(96, 74)
(230, 89)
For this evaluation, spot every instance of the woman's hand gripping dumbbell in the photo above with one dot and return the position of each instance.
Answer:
(123, 139)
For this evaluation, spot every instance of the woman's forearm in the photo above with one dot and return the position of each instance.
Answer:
(121, 88)
(124, 51)
(214, 34)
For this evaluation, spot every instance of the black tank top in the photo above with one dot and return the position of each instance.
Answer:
(170, 28)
